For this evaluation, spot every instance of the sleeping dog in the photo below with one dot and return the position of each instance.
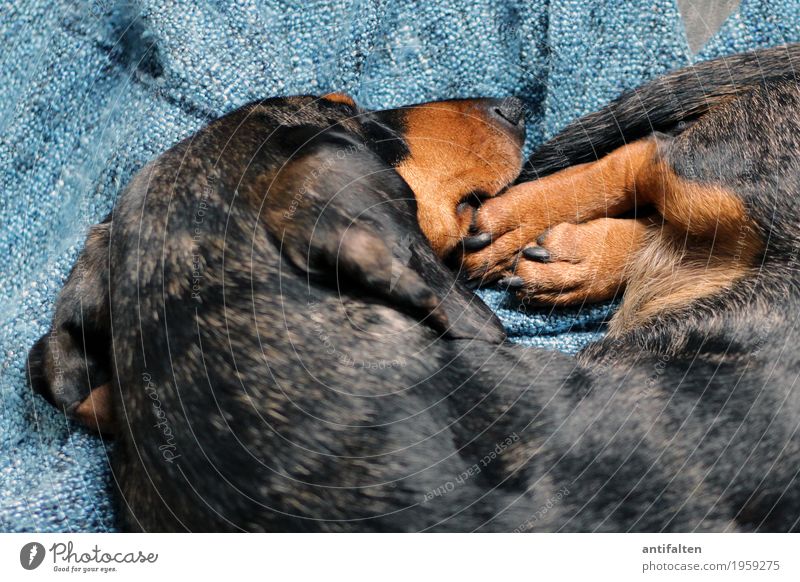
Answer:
(266, 324)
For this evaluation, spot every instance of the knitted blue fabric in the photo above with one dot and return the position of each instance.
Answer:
(92, 91)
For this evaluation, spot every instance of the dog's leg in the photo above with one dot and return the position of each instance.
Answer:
(702, 234)
(513, 221)
(69, 365)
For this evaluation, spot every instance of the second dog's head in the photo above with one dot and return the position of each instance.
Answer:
(449, 152)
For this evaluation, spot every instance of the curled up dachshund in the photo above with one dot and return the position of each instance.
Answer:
(273, 325)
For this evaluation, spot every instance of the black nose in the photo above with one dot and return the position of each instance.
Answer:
(510, 109)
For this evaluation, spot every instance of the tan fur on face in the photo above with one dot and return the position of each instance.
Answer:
(456, 148)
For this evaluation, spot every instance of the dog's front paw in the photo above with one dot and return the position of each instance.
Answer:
(576, 263)
(501, 228)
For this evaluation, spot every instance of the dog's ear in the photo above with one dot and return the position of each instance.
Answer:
(340, 213)
(468, 317)
(70, 365)
(357, 256)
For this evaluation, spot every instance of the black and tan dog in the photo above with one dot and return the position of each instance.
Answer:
(278, 347)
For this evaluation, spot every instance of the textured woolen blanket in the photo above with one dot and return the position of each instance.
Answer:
(90, 91)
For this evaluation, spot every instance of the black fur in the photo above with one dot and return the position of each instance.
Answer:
(298, 389)
(668, 104)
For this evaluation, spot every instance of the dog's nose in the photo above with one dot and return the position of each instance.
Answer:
(510, 110)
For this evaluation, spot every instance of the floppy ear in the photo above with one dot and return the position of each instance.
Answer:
(339, 213)
(70, 365)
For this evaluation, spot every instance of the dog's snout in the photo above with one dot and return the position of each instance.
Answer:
(511, 110)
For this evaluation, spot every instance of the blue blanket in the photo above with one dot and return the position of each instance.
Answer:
(91, 91)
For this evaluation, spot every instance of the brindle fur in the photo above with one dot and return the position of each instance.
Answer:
(303, 393)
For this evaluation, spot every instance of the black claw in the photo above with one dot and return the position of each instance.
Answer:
(477, 242)
(541, 238)
(512, 282)
(538, 254)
